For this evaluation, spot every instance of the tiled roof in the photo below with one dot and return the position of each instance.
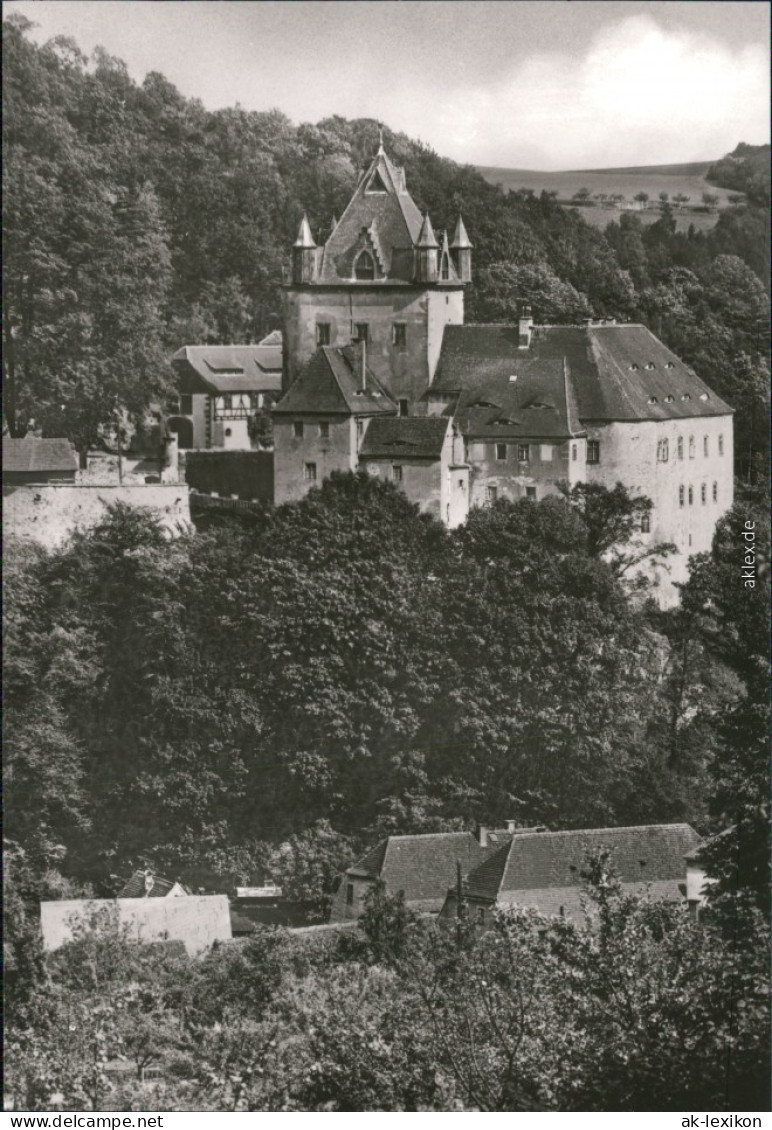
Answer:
(136, 888)
(213, 369)
(424, 866)
(582, 373)
(568, 901)
(404, 437)
(331, 383)
(396, 218)
(537, 861)
(479, 363)
(32, 454)
(632, 375)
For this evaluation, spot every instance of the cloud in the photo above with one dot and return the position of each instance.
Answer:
(641, 94)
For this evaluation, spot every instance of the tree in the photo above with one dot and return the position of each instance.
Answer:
(582, 195)
(642, 198)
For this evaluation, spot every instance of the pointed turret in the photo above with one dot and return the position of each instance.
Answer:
(426, 236)
(304, 254)
(461, 247)
(426, 252)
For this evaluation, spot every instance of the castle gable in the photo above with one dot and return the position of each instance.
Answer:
(382, 211)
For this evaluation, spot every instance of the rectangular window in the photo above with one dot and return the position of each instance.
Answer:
(399, 335)
(545, 453)
(530, 492)
(480, 913)
(680, 447)
(501, 452)
(361, 331)
(715, 492)
(574, 452)
(322, 333)
(462, 485)
(349, 894)
(404, 407)
(324, 430)
(309, 472)
(691, 496)
(705, 447)
(593, 451)
(645, 523)
(691, 447)
(360, 430)
(396, 473)
(491, 494)
(186, 404)
(297, 428)
(721, 445)
(523, 453)
(680, 496)
(663, 451)
(703, 494)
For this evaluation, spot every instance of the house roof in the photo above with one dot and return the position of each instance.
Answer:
(540, 861)
(331, 383)
(380, 199)
(422, 866)
(479, 362)
(136, 888)
(405, 437)
(32, 454)
(213, 369)
(578, 373)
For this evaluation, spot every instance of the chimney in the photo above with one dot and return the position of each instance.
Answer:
(511, 825)
(482, 835)
(525, 328)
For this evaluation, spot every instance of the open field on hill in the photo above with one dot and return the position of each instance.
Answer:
(687, 180)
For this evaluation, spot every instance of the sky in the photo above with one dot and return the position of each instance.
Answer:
(531, 84)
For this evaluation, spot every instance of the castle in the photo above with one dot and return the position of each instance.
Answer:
(381, 373)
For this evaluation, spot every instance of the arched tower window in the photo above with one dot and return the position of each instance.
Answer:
(365, 266)
(445, 267)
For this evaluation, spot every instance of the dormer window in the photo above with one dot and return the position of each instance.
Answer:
(649, 364)
(364, 267)
(669, 399)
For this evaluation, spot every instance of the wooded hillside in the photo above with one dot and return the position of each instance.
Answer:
(138, 221)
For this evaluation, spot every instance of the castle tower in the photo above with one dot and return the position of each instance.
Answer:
(461, 249)
(304, 254)
(381, 277)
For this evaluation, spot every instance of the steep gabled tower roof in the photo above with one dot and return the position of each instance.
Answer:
(381, 200)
